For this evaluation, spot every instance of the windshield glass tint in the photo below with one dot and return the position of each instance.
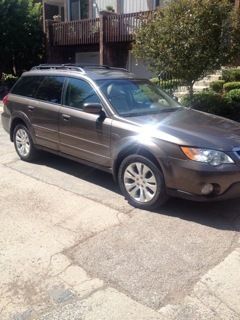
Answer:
(131, 97)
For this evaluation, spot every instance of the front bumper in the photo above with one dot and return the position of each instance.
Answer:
(186, 178)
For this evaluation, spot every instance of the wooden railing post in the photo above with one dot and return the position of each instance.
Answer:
(102, 38)
(49, 39)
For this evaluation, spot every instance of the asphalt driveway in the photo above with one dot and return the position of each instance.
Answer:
(72, 248)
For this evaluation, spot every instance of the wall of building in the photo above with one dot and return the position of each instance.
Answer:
(124, 6)
(127, 6)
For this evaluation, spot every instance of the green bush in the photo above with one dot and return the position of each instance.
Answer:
(8, 80)
(233, 96)
(214, 103)
(217, 86)
(205, 101)
(155, 81)
(166, 84)
(231, 86)
(230, 75)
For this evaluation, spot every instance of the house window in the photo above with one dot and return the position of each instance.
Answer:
(78, 9)
(157, 3)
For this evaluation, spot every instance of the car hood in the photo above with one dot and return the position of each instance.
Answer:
(191, 128)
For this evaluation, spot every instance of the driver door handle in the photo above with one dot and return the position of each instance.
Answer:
(31, 108)
(66, 117)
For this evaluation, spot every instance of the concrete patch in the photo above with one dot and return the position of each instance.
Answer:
(155, 259)
(104, 305)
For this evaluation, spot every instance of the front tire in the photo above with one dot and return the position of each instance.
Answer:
(142, 182)
(23, 143)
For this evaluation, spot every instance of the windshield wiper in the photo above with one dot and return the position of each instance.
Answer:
(149, 112)
(169, 109)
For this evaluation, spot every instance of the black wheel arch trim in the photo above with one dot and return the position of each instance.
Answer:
(20, 117)
(131, 149)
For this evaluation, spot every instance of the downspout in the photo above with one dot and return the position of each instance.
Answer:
(150, 4)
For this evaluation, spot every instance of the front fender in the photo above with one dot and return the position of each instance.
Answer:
(130, 145)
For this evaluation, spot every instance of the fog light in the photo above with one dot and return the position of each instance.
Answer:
(207, 189)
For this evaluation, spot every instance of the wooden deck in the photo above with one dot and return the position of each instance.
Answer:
(116, 28)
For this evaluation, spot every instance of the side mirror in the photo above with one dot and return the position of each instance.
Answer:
(94, 108)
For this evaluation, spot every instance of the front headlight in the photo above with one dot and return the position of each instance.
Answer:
(213, 157)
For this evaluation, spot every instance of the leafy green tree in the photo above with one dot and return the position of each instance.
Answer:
(190, 38)
(21, 35)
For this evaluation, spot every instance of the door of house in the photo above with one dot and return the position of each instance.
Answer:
(78, 9)
(87, 57)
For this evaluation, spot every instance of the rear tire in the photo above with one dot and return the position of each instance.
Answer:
(142, 182)
(23, 144)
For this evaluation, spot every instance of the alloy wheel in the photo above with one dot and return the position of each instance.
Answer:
(140, 182)
(22, 142)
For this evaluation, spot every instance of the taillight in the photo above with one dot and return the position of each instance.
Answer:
(5, 100)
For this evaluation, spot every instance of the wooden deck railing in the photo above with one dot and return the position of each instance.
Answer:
(75, 32)
(122, 28)
(116, 28)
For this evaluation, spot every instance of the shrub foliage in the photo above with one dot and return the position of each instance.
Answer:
(21, 35)
(231, 85)
(190, 38)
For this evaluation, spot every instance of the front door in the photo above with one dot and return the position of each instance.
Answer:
(83, 135)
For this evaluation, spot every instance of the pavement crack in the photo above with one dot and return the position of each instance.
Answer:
(208, 306)
(219, 299)
(58, 225)
(104, 287)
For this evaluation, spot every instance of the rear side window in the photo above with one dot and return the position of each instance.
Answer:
(50, 89)
(27, 86)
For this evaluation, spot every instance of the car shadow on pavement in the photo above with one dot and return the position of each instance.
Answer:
(79, 170)
(224, 215)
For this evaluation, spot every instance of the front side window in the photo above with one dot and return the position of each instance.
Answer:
(131, 97)
(79, 92)
(50, 89)
(27, 86)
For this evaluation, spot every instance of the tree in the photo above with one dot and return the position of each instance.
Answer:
(21, 35)
(190, 38)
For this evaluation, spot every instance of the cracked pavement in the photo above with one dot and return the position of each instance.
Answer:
(72, 248)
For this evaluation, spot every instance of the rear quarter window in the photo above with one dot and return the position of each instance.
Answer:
(27, 86)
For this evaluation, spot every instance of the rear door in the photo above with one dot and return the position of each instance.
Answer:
(81, 134)
(22, 97)
(44, 115)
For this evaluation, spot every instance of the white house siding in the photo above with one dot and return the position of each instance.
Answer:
(138, 67)
(128, 6)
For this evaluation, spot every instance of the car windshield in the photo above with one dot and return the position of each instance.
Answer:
(131, 97)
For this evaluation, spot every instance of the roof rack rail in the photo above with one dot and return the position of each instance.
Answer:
(88, 66)
(75, 67)
(99, 66)
(58, 67)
